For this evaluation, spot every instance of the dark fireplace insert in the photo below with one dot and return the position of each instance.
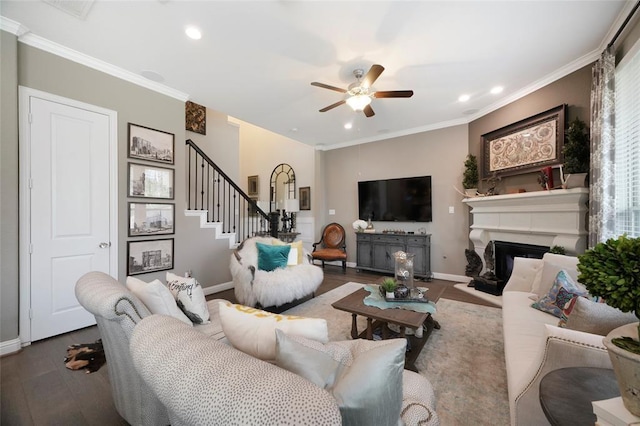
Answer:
(504, 252)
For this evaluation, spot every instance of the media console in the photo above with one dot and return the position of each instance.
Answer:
(375, 251)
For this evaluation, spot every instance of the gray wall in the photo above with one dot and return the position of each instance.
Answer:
(8, 187)
(573, 90)
(438, 153)
(43, 71)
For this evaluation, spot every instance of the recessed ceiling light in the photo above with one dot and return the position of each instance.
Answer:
(348, 126)
(193, 33)
(496, 90)
(464, 98)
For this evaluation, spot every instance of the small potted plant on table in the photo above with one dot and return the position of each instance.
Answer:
(389, 286)
(611, 270)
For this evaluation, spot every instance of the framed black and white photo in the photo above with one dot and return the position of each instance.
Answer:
(150, 181)
(252, 186)
(150, 144)
(151, 219)
(149, 256)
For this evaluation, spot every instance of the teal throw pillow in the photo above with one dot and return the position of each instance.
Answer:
(272, 257)
(561, 292)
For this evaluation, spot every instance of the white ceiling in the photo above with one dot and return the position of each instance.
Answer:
(256, 58)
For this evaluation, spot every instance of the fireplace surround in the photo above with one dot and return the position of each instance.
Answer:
(542, 218)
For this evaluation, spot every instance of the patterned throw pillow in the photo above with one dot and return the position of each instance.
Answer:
(594, 316)
(157, 298)
(189, 296)
(364, 376)
(561, 292)
(272, 257)
(252, 330)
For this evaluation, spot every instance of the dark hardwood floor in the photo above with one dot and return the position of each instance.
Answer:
(37, 389)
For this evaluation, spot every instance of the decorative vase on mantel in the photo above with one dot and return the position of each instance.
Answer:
(626, 366)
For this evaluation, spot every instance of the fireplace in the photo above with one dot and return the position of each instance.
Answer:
(504, 252)
(493, 281)
(526, 225)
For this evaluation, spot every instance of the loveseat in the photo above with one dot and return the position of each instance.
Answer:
(534, 345)
(202, 379)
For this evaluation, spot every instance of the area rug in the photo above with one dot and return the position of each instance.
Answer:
(85, 356)
(464, 360)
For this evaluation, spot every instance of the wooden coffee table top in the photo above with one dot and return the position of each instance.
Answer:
(354, 304)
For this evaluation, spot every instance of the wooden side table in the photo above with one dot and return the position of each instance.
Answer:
(566, 394)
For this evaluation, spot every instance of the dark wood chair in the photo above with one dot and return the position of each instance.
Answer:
(331, 246)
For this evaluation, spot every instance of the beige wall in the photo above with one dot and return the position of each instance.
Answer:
(261, 151)
(8, 187)
(438, 153)
(221, 143)
(43, 71)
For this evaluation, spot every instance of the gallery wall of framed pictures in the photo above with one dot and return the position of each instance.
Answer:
(150, 183)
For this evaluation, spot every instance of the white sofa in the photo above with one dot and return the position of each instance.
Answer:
(533, 344)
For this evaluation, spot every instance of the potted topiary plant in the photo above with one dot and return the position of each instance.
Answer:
(470, 175)
(576, 152)
(389, 286)
(611, 270)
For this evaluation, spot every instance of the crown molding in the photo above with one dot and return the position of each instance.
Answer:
(12, 26)
(97, 64)
(392, 135)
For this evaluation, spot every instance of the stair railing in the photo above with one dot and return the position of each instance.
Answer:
(209, 188)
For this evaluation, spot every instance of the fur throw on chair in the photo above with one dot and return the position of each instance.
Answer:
(270, 288)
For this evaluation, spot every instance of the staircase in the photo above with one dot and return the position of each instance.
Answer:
(219, 202)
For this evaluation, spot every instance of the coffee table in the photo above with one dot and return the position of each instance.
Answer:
(376, 318)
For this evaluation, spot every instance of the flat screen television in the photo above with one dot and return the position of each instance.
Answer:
(395, 200)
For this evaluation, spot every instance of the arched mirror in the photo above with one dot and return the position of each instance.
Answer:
(283, 186)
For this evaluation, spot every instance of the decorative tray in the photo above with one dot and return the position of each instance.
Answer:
(423, 299)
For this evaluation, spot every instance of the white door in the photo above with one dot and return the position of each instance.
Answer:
(69, 197)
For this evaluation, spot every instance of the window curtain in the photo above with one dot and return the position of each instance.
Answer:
(602, 181)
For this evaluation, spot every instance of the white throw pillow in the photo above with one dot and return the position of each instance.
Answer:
(293, 257)
(253, 331)
(190, 298)
(156, 297)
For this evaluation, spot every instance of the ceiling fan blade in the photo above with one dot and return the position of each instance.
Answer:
(368, 111)
(326, 86)
(332, 106)
(394, 94)
(372, 75)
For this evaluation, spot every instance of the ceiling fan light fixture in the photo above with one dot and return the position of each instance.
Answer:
(358, 102)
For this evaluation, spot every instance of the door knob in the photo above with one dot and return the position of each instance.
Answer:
(104, 245)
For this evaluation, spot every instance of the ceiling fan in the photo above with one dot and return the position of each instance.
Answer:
(360, 95)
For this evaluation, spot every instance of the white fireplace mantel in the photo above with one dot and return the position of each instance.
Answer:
(546, 218)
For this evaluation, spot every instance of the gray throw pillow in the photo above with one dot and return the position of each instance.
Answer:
(365, 377)
(597, 318)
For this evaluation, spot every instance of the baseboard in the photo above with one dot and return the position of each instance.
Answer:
(10, 346)
(451, 277)
(217, 288)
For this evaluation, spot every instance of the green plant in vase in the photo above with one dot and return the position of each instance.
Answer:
(470, 175)
(576, 148)
(389, 285)
(611, 270)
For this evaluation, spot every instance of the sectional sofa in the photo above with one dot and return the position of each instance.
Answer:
(534, 344)
(163, 371)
